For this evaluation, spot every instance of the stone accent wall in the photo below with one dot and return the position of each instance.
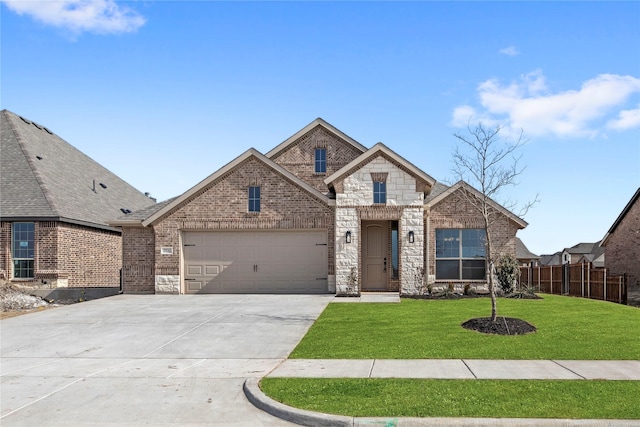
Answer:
(138, 260)
(354, 203)
(622, 252)
(223, 205)
(457, 212)
(298, 157)
(357, 188)
(411, 254)
(69, 255)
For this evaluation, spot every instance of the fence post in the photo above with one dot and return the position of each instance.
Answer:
(604, 284)
(620, 289)
(582, 279)
(551, 278)
(588, 282)
(539, 271)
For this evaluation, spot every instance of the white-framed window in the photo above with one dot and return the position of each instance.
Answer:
(22, 249)
(321, 160)
(254, 198)
(460, 254)
(379, 192)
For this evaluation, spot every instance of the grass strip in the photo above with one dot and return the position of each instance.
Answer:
(567, 329)
(374, 397)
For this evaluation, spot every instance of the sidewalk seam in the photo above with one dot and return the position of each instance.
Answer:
(570, 370)
(472, 373)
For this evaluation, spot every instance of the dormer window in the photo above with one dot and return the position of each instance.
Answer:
(379, 192)
(321, 160)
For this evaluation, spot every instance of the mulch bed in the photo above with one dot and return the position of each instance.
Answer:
(502, 326)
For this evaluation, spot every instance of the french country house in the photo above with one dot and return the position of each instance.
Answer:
(319, 213)
(54, 206)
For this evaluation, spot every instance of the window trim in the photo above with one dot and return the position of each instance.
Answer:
(460, 258)
(320, 164)
(31, 249)
(253, 200)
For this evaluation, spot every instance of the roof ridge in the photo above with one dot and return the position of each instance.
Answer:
(46, 193)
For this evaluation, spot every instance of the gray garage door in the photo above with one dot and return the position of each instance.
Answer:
(255, 262)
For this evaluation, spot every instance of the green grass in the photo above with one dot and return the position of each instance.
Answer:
(568, 328)
(460, 398)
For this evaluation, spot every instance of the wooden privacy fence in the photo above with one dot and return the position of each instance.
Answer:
(578, 280)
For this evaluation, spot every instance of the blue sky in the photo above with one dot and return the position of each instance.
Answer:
(163, 93)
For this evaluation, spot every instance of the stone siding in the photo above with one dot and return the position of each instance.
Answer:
(299, 157)
(354, 203)
(622, 252)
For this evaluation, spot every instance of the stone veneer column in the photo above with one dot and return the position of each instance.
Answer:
(412, 254)
(346, 253)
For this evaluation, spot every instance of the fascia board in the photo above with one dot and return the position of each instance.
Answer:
(461, 184)
(280, 147)
(224, 170)
(379, 148)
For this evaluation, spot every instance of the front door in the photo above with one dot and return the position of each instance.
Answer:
(374, 255)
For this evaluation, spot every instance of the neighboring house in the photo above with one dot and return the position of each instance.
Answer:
(319, 213)
(524, 256)
(552, 259)
(622, 247)
(54, 204)
(584, 252)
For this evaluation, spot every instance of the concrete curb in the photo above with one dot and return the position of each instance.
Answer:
(309, 418)
(287, 413)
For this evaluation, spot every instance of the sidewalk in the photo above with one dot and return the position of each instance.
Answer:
(461, 369)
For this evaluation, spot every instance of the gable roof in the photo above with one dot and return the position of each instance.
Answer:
(618, 220)
(317, 122)
(581, 248)
(43, 177)
(553, 259)
(522, 252)
(250, 153)
(463, 185)
(375, 151)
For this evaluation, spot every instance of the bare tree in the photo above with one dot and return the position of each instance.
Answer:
(488, 163)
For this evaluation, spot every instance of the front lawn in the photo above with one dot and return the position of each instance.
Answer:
(568, 328)
(372, 397)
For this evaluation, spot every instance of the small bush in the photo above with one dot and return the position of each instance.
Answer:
(507, 273)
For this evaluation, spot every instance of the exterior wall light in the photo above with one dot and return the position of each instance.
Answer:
(412, 237)
(347, 237)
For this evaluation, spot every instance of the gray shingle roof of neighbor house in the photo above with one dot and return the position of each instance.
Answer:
(43, 177)
(522, 252)
(581, 248)
(553, 259)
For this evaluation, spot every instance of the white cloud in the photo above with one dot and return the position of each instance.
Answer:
(528, 104)
(510, 51)
(98, 16)
(627, 119)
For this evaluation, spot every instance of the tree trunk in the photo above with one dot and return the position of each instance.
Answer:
(489, 267)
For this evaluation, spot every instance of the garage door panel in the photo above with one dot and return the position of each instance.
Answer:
(255, 262)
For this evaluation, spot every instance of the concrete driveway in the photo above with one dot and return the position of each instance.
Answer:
(148, 359)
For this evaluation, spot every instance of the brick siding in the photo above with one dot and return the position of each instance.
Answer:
(83, 256)
(622, 252)
(223, 205)
(138, 260)
(298, 157)
(457, 212)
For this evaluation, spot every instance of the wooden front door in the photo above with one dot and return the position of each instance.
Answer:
(374, 255)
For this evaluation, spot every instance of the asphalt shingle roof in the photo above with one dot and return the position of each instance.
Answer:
(44, 177)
